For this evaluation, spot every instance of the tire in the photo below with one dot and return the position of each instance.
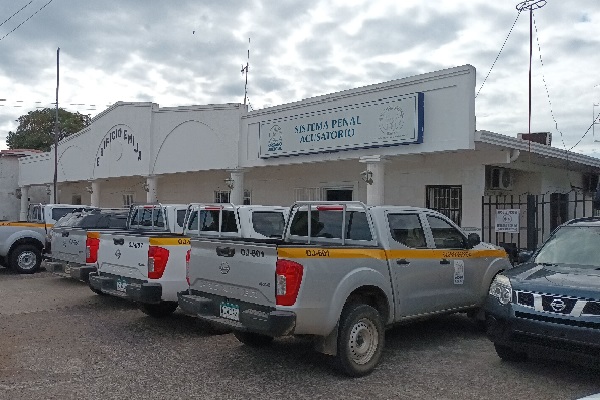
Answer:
(161, 310)
(3, 262)
(507, 353)
(253, 339)
(477, 316)
(26, 259)
(360, 340)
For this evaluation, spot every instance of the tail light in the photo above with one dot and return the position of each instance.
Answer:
(187, 266)
(157, 261)
(288, 277)
(91, 250)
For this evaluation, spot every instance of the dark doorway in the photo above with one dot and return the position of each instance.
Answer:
(338, 194)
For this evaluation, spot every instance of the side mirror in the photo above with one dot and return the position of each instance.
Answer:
(473, 240)
(524, 256)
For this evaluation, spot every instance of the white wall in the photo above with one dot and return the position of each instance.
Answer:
(449, 116)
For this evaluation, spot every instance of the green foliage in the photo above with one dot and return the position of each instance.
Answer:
(36, 128)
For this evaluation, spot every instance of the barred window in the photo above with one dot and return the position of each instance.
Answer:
(446, 200)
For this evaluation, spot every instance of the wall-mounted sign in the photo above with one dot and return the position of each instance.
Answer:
(119, 141)
(384, 122)
(507, 221)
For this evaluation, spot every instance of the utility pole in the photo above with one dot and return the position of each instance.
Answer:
(245, 70)
(56, 130)
(530, 5)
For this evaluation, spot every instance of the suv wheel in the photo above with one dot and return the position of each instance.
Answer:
(507, 353)
(360, 340)
(26, 259)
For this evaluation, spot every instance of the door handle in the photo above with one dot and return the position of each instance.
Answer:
(444, 261)
(225, 251)
(119, 242)
(65, 234)
(402, 261)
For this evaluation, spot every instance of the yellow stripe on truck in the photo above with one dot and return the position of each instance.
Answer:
(24, 224)
(380, 254)
(169, 241)
(93, 235)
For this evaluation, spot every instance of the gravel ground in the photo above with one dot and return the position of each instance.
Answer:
(58, 340)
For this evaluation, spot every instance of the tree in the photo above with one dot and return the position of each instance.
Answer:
(36, 128)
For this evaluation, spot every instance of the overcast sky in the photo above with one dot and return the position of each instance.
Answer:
(187, 52)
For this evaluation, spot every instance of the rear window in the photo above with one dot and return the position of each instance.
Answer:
(268, 223)
(208, 221)
(58, 213)
(94, 220)
(148, 217)
(327, 224)
(181, 217)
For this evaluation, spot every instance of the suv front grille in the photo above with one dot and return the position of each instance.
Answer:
(558, 304)
(592, 308)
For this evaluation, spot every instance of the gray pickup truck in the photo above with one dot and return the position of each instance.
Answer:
(75, 239)
(342, 274)
(22, 242)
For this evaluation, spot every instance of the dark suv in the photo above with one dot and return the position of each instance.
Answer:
(552, 301)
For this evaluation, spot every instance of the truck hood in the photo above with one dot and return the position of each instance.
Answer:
(568, 279)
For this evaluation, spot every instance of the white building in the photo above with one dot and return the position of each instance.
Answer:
(410, 141)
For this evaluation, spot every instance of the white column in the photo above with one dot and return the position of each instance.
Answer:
(24, 203)
(95, 200)
(237, 191)
(151, 189)
(374, 176)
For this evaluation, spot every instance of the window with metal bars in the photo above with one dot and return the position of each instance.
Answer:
(445, 199)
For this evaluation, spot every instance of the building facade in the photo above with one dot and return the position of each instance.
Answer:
(411, 141)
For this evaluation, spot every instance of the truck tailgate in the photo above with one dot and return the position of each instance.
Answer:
(236, 270)
(123, 254)
(69, 245)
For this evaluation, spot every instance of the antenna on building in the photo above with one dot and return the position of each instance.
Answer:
(245, 71)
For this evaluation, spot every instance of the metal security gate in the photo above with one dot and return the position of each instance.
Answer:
(539, 215)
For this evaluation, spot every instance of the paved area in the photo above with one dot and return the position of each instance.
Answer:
(59, 340)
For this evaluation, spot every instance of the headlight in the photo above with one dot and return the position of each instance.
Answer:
(501, 289)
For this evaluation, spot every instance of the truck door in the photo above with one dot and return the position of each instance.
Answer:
(414, 269)
(459, 271)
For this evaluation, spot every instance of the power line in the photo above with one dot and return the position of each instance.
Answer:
(500, 52)
(8, 19)
(546, 86)
(31, 16)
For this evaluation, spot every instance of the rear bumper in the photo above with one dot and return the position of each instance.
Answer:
(252, 318)
(67, 270)
(131, 289)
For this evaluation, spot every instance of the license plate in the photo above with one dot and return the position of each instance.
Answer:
(230, 311)
(121, 285)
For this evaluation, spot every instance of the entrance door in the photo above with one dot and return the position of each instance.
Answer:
(340, 194)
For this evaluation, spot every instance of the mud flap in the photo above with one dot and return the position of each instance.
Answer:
(328, 344)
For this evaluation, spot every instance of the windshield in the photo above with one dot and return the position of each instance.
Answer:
(572, 245)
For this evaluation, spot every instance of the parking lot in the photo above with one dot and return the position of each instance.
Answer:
(60, 340)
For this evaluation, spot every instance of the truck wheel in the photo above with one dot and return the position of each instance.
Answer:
(507, 353)
(253, 339)
(160, 310)
(26, 259)
(360, 340)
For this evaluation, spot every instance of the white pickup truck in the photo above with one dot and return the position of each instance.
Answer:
(149, 267)
(75, 239)
(22, 242)
(342, 273)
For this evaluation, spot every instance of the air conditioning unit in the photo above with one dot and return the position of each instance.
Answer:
(500, 179)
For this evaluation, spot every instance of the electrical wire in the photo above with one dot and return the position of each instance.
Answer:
(31, 16)
(8, 19)
(586, 132)
(500, 52)
(546, 85)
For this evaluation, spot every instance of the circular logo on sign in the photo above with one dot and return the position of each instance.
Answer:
(275, 138)
(506, 218)
(391, 120)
